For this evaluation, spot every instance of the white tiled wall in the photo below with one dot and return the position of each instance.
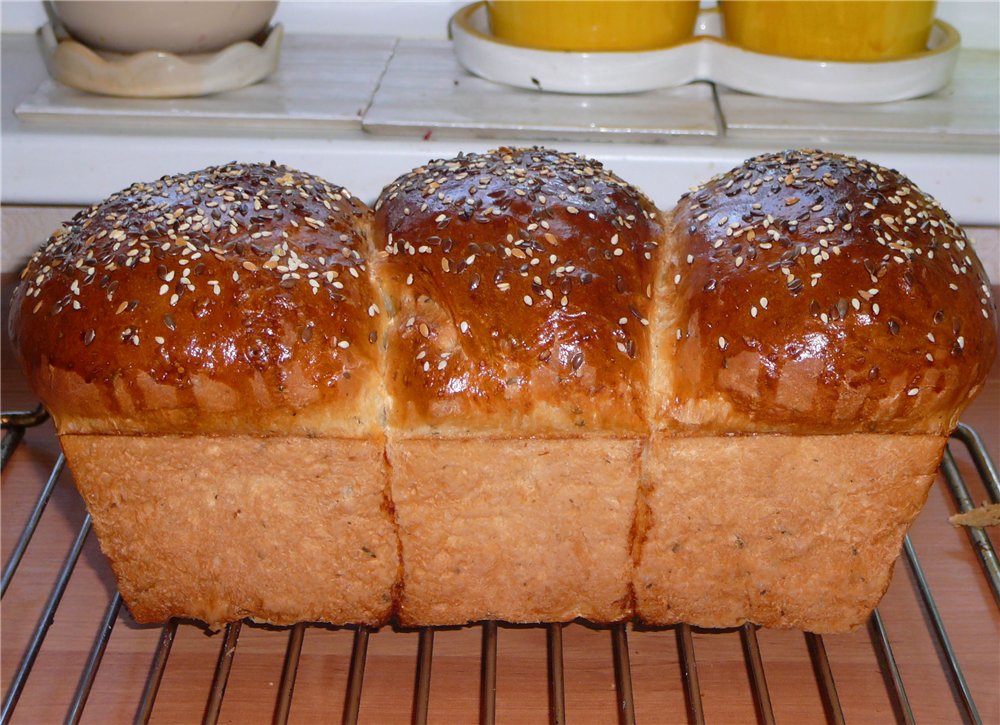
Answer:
(978, 21)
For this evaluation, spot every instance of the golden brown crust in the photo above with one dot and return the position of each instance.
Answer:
(233, 299)
(528, 530)
(788, 531)
(817, 293)
(281, 529)
(520, 282)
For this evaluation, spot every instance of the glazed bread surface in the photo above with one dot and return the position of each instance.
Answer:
(236, 299)
(520, 283)
(808, 292)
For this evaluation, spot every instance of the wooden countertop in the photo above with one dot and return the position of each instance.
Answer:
(969, 612)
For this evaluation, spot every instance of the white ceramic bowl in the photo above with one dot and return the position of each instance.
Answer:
(708, 57)
(183, 27)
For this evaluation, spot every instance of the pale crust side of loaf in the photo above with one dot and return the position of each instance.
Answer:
(522, 530)
(283, 529)
(785, 531)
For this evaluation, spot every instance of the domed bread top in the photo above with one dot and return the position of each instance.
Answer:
(232, 299)
(521, 285)
(816, 293)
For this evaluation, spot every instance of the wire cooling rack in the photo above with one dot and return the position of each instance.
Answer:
(17, 424)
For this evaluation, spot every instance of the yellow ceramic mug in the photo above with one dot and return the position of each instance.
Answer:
(579, 25)
(851, 30)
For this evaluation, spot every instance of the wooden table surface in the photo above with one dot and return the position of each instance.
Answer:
(967, 607)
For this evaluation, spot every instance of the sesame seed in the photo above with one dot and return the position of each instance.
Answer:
(527, 300)
(912, 391)
(722, 343)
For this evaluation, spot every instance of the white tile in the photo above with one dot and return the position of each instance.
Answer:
(323, 82)
(986, 242)
(966, 112)
(425, 92)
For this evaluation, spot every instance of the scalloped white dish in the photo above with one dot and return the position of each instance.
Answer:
(155, 74)
(708, 57)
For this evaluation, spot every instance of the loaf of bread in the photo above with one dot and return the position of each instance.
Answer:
(517, 379)
(209, 347)
(515, 390)
(820, 325)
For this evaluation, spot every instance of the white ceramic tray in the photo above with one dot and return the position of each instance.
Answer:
(966, 114)
(155, 74)
(705, 57)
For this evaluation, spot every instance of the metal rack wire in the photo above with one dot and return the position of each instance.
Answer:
(16, 423)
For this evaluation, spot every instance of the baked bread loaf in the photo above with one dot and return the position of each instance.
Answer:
(209, 348)
(515, 391)
(820, 325)
(520, 284)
